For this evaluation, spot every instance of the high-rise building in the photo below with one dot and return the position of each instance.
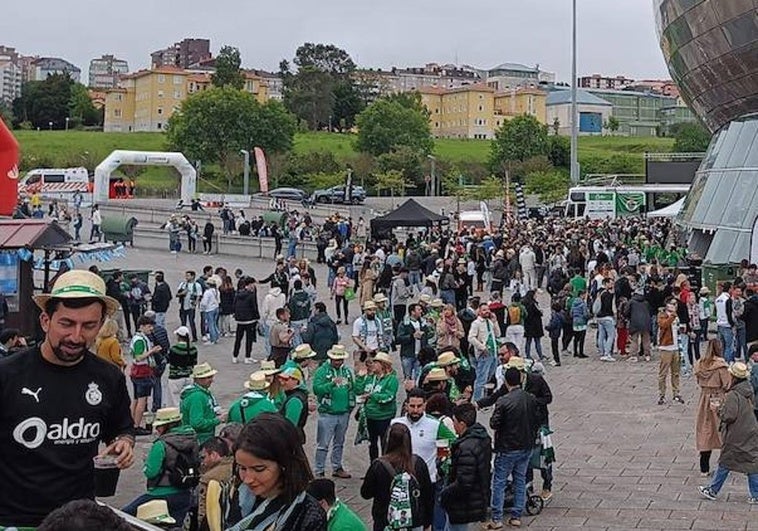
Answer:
(43, 67)
(10, 75)
(104, 71)
(597, 81)
(182, 54)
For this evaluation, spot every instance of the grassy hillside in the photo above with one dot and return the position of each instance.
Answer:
(80, 148)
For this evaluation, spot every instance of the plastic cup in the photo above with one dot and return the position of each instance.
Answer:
(443, 448)
(106, 475)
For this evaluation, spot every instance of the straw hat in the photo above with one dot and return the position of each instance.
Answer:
(303, 352)
(257, 381)
(426, 299)
(337, 352)
(516, 362)
(79, 284)
(437, 303)
(268, 367)
(380, 297)
(369, 305)
(739, 370)
(705, 291)
(203, 370)
(447, 358)
(437, 374)
(167, 415)
(384, 358)
(155, 512)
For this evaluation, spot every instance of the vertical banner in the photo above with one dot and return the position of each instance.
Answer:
(754, 243)
(8, 171)
(349, 187)
(260, 163)
(523, 213)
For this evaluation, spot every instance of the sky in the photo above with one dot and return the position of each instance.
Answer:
(616, 37)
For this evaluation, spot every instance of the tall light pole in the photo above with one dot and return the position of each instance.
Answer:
(67, 118)
(246, 180)
(574, 113)
(433, 160)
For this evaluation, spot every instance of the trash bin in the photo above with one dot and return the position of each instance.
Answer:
(118, 229)
(280, 218)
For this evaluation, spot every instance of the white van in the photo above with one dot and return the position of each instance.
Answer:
(57, 183)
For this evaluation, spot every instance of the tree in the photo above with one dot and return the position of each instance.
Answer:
(386, 125)
(517, 140)
(559, 151)
(612, 124)
(45, 102)
(228, 69)
(215, 124)
(392, 181)
(325, 58)
(490, 188)
(690, 138)
(81, 110)
(347, 105)
(409, 162)
(551, 186)
(556, 126)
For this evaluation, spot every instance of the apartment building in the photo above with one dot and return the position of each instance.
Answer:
(42, 67)
(145, 100)
(597, 81)
(182, 54)
(10, 75)
(105, 71)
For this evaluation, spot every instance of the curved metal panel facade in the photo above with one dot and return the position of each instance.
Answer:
(711, 48)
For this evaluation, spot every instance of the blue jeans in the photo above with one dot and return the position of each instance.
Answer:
(458, 527)
(411, 367)
(740, 342)
(654, 331)
(160, 319)
(512, 463)
(291, 248)
(606, 335)
(448, 296)
(485, 368)
(297, 326)
(727, 342)
(538, 347)
(330, 427)
(414, 277)
(719, 477)
(439, 519)
(178, 504)
(211, 321)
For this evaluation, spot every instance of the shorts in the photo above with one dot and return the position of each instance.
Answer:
(143, 387)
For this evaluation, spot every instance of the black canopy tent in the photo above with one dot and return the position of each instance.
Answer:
(409, 214)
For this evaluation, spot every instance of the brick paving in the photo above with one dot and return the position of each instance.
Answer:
(623, 462)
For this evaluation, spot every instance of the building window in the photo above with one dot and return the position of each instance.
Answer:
(161, 78)
(481, 108)
(178, 80)
(177, 94)
(160, 126)
(160, 93)
(117, 113)
(119, 97)
(160, 110)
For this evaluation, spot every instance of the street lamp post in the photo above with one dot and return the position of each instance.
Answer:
(246, 181)
(433, 161)
(67, 119)
(574, 112)
(50, 126)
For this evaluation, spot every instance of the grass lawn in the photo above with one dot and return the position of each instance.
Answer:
(87, 148)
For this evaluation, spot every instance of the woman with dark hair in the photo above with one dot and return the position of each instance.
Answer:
(270, 462)
(226, 307)
(398, 458)
(533, 330)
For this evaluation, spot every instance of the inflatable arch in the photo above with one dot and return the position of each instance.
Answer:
(144, 158)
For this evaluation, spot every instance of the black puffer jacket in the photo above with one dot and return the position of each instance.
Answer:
(467, 496)
(246, 306)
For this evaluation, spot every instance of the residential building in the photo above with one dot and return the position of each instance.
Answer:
(431, 75)
(105, 71)
(182, 54)
(10, 76)
(520, 101)
(43, 67)
(664, 87)
(597, 81)
(675, 114)
(508, 76)
(593, 112)
(273, 82)
(145, 100)
(637, 112)
(26, 62)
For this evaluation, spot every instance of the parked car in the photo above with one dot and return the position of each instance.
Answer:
(336, 194)
(294, 194)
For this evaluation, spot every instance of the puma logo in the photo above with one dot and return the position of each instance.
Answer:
(35, 394)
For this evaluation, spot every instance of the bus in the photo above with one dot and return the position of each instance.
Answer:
(601, 202)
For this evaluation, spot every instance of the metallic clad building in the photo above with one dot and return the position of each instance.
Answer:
(711, 48)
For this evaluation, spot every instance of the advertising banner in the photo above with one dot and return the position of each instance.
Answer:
(8, 171)
(260, 163)
(601, 205)
(630, 203)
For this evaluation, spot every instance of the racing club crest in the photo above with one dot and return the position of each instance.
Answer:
(93, 396)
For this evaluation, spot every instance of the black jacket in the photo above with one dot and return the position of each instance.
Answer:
(533, 321)
(515, 421)
(750, 316)
(467, 496)
(639, 314)
(321, 334)
(535, 385)
(376, 485)
(246, 306)
(161, 297)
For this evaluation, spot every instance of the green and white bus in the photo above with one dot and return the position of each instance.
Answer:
(601, 202)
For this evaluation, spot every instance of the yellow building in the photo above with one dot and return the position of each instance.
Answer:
(145, 100)
(476, 111)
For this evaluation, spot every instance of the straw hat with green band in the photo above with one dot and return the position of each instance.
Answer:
(155, 512)
(79, 284)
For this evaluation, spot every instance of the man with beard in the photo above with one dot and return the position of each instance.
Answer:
(59, 401)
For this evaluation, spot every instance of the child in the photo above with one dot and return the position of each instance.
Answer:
(580, 314)
(554, 328)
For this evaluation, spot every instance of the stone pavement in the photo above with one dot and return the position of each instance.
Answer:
(623, 462)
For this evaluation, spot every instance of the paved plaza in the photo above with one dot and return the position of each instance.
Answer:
(623, 462)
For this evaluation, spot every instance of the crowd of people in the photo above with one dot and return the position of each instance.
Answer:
(427, 333)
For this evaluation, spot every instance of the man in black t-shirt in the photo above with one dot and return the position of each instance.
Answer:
(58, 401)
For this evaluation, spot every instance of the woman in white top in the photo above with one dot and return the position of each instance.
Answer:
(209, 306)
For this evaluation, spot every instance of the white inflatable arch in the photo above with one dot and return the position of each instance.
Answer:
(143, 158)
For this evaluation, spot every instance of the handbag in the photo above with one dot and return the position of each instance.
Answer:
(349, 294)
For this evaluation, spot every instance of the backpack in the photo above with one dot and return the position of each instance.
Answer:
(185, 474)
(514, 314)
(405, 498)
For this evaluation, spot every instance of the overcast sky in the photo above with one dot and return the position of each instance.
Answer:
(615, 36)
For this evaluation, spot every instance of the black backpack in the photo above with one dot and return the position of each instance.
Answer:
(185, 474)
